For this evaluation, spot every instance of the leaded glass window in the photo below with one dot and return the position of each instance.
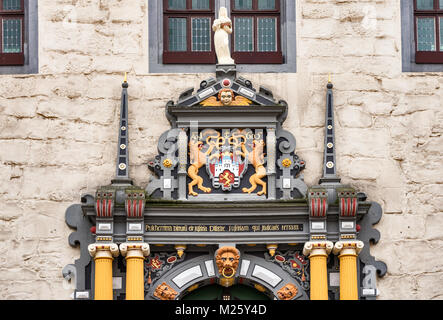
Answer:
(188, 34)
(243, 4)
(201, 34)
(12, 35)
(12, 32)
(188, 31)
(267, 34)
(244, 34)
(425, 4)
(200, 4)
(426, 34)
(256, 31)
(177, 4)
(12, 5)
(266, 4)
(254, 4)
(428, 15)
(177, 34)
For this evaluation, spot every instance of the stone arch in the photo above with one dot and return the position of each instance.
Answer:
(201, 271)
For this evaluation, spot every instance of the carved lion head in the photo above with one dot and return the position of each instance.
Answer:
(227, 260)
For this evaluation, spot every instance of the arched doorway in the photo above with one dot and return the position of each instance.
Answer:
(217, 292)
(196, 279)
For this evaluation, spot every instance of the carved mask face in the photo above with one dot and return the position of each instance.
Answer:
(287, 292)
(165, 292)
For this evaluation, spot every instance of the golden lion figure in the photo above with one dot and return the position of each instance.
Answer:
(288, 292)
(256, 158)
(198, 160)
(227, 260)
(165, 292)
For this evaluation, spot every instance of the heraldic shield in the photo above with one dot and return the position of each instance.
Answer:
(226, 163)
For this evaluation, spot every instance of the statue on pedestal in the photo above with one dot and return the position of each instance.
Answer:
(222, 28)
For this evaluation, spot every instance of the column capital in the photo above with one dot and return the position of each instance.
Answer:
(135, 249)
(317, 248)
(103, 250)
(348, 247)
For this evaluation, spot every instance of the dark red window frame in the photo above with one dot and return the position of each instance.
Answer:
(188, 56)
(12, 59)
(191, 57)
(257, 57)
(429, 56)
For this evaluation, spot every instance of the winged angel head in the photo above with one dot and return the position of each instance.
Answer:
(226, 97)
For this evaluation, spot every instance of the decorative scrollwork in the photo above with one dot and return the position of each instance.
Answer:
(167, 144)
(294, 263)
(159, 263)
(288, 144)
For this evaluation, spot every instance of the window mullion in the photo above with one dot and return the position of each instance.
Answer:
(189, 34)
(437, 30)
(437, 40)
(1, 34)
(255, 28)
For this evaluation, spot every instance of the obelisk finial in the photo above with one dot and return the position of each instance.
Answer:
(122, 170)
(329, 159)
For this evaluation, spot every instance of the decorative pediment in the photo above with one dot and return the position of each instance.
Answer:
(242, 90)
(218, 151)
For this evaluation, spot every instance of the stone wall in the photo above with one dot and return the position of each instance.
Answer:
(58, 131)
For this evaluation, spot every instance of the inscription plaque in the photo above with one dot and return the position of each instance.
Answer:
(224, 228)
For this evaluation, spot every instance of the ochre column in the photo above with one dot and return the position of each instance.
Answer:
(135, 254)
(103, 256)
(348, 252)
(318, 255)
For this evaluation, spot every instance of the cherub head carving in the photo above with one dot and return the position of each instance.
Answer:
(226, 96)
(165, 292)
(288, 292)
(227, 260)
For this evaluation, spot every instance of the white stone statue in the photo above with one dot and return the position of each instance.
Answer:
(222, 28)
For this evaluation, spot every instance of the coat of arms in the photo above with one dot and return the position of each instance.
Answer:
(226, 155)
(228, 167)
